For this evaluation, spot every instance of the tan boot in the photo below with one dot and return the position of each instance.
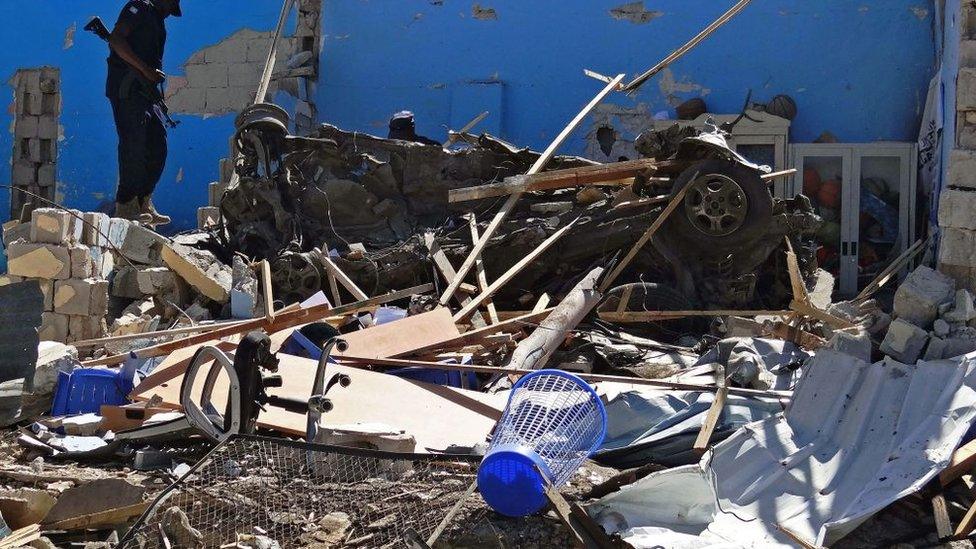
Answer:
(157, 218)
(132, 211)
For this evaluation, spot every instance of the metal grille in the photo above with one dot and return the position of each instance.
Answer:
(556, 416)
(307, 495)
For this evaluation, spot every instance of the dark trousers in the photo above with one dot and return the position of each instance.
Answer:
(142, 147)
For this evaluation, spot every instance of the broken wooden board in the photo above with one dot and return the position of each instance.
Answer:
(436, 416)
(394, 338)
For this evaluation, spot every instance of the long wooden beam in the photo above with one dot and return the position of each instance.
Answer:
(612, 174)
(624, 317)
(497, 285)
(479, 268)
(591, 378)
(476, 336)
(646, 237)
(283, 321)
(509, 205)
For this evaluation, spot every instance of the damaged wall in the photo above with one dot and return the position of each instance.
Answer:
(49, 34)
(856, 69)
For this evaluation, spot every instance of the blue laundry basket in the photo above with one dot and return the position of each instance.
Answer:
(552, 423)
(85, 390)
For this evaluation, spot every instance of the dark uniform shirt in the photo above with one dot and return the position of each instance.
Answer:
(147, 39)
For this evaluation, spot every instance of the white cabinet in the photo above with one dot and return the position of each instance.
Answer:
(866, 195)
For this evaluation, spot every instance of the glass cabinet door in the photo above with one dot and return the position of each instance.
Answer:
(885, 204)
(824, 176)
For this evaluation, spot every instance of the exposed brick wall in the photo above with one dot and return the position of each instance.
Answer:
(223, 78)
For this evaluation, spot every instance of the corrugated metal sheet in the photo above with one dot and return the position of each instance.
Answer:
(21, 306)
(855, 438)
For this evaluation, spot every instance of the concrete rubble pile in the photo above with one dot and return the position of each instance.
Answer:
(387, 299)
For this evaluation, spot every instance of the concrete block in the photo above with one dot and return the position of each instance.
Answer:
(935, 349)
(966, 90)
(15, 230)
(84, 425)
(96, 229)
(958, 346)
(965, 277)
(38, 260)
(201, 270)
(156, 280)
(940, 328)
(142, 245)
(244, 74)
(244, 290)
(85, 327)
(956, 209)
(24, 173)
(104, 262)
(50, 225)
(208, 75)
(188, 100)
(257, 49)
(963, 309)
(48, 127)
(125, 283)
(904, 341)
(231, 50)
(87, 297)
(6, 279)
(962, 168)
(47, 175)
(918, 299)
(26, 126)
(82, 263)
(118, 228)
(54, 327)
(76, 228)
(858, 346)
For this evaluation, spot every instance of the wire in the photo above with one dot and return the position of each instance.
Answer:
(74, 215)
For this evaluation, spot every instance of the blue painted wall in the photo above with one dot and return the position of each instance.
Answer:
(858, 69)
(34, 35)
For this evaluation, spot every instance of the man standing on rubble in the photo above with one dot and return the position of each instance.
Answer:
(134, 72)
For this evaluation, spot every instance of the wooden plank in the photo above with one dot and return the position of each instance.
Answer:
(889, 272)
(111, 517)
(686, 47)
(497, 285)
(152, 335)
(269, 313)
(477, 336)
(625, 317)
(509, 205)
(404, 335)
(435, 415)
(809, 310)
(613, 174)
(447, 271)
(284, 321)
(334, 288)
(776, 175)
(542, 304)
(453, 136)
(943, 526)
(479, 267)
(645, 238)
(343, 279)
(796, 281)
(591, 378)
(967, 524)
(711, 420)
(963, 461)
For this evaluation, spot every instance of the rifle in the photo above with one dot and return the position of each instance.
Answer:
(151, 92)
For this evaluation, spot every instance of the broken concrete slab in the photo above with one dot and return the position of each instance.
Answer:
(93, 497)
(125, 282)
(54, 327)
(25, 507)
(918, 299)
(936, 349)
(52, 359)
(81, 425)
(139, 244)
(38, 260)
(858, 346)
(904, 341)
(244, 290)
(200, 269)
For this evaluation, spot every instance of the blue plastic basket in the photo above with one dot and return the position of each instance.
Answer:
(85, 390)
(552, 423)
